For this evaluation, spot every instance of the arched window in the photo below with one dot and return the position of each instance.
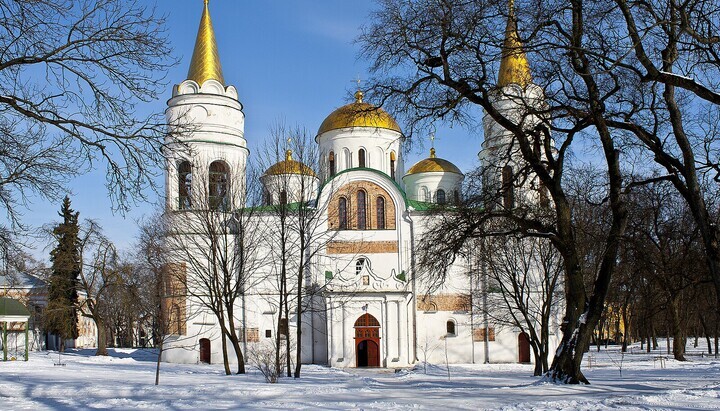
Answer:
(425, 194)
(184, 185)
(361, 157)
(450, 328)
(342, 213)
(507, 187)
(359, 265)
(283, 197)
(218, 179)
(331, 158)
(348, 158)
(380, 210)
(440, 196)
(392, 165)
(267, 197)
(361, 210)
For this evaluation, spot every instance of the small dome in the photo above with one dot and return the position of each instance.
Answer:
(433, 164)
(289, 166)
(359, 114)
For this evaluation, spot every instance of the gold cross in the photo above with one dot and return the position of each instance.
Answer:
(358, 81)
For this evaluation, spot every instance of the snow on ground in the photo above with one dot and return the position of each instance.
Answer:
(126, 380)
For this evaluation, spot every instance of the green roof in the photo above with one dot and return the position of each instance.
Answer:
(10, 307)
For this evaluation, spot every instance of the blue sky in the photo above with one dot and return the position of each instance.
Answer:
(290, 60)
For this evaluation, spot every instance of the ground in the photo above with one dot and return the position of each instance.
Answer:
(126, 380)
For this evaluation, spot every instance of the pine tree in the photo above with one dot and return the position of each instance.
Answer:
(61, 313)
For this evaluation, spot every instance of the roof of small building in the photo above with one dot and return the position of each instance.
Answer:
(12, 308)
(289, 166)
(433, 164)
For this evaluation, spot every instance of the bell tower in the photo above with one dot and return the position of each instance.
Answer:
(500, 156)
(207, 159)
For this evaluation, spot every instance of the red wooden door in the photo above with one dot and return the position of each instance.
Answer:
(523, 348)
(367, 341)
(205, 350)
(373, 354)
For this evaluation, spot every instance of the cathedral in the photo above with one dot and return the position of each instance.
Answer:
(370, 308)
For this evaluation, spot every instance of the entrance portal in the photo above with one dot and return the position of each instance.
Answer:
(205, 350)
(523, 348)
(367, 341)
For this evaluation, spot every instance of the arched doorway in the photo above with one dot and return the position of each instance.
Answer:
(523, 348)
(367, 341)
(205, 350)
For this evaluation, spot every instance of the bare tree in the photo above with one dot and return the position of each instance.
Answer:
(453, 49)
(72, 74)
(525, 274)
(299, 223)
(98, 273)
(218, 240)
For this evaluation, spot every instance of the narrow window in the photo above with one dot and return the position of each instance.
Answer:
(380, 209)
(283, 326)
(450, 327)
(218, 179)
(392, 165)
(456, 194)
(440, 197)
(333, 169)
(361, 211)
(425, 194)
(184, 185)
(283, 197)
(507, 187)
(348, 158)
(342, 213)
(359, 265)
(267, 196)
(178, 320)
(268, 333)
(361, 157)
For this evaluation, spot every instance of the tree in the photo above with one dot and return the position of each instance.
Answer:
(72, 74)
(61, 312)
(99, 272)
(152, 262)
(525, 274)
(218, 240)
(437, 60)
(297, 220)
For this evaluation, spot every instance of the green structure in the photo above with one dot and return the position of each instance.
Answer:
(13, 311)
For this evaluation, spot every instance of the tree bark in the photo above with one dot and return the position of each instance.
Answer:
(678, 347)
(101, 337)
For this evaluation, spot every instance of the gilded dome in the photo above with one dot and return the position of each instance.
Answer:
(433, 164)
(289, 166)
(359, 114)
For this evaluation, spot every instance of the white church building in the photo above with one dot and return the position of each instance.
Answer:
(372, 307)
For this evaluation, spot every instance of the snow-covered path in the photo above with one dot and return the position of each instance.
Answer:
(125, 380)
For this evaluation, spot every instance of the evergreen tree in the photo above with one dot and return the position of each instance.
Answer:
(61, 313)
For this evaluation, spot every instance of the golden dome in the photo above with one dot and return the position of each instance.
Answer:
(433, 164)
(205, 63)
(359, 114)
(514, 66)
(289, 166)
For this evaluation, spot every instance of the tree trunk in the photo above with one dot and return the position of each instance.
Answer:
(678, 346)
(298, 311)
(157, 366)
(101, 337)
(235, 341)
